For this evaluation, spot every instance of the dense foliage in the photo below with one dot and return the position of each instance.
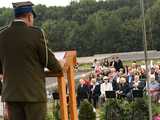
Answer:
(128, 110)
(86, 111)
(92, 27)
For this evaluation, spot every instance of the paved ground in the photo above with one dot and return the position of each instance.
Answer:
(51, 82)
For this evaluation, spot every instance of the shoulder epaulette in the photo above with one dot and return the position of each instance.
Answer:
(3, 28)
(39, 30)
(36, 28)
(45, 41)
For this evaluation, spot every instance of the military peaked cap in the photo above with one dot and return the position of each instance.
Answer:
(22, 8)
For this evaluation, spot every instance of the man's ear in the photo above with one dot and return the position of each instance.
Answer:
(29, 17)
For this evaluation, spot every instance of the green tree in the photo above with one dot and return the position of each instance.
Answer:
(6, 15)
(86, 111)
(92, 27)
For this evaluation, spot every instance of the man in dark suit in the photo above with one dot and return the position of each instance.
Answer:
(23, 57)
(95, 92)
(82, 92)
(118, 64)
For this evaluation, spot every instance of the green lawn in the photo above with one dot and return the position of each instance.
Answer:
(87, 66)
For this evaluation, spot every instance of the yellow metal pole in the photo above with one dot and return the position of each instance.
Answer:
(72, 94)
(63, 100)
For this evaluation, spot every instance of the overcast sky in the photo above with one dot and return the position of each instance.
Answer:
(8, 3)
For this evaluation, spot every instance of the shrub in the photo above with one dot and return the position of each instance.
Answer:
(56, 111)
(49, 116)
(86, 111)
(112, 111)
(141, 110)
(125, 110)
(156, 109)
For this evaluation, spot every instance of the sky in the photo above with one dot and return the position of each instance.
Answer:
(8, 3)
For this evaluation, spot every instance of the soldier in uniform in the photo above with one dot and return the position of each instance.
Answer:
(23, 57)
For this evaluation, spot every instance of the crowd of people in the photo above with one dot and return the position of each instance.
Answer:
(112, 76)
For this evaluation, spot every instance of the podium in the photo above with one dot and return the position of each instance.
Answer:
(70, 58)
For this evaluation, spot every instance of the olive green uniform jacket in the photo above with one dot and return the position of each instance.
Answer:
(22, 62)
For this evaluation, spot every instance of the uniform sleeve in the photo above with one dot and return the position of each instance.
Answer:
(52, 64)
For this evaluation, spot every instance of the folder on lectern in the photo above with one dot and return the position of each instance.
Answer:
(64, 55)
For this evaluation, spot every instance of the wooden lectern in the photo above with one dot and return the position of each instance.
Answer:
(70, 58)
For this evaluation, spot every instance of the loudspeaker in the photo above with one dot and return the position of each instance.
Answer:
(55, 95)
(110, 94)
(137, 93)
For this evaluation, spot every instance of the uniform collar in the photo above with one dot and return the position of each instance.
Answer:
(18, 22)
